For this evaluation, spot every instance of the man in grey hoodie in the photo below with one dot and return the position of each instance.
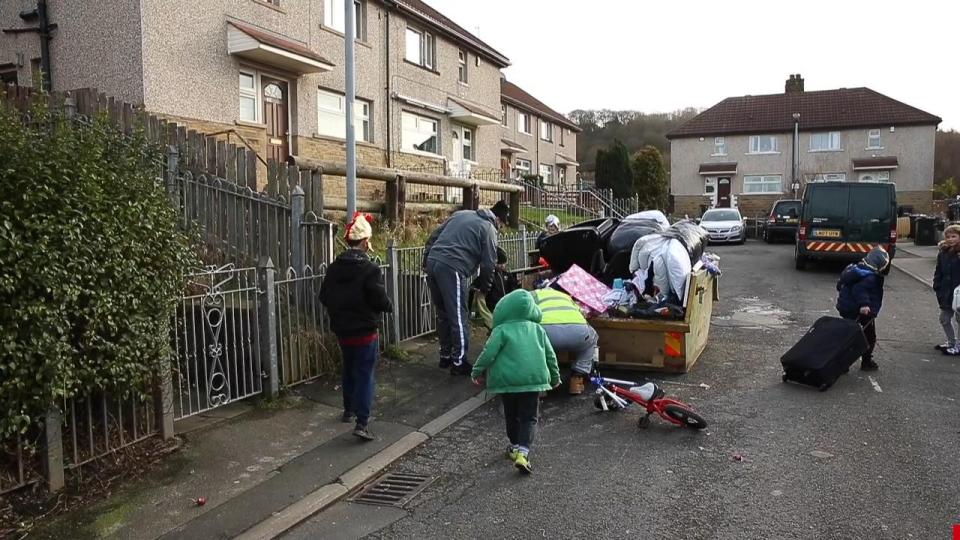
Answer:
(464, 243)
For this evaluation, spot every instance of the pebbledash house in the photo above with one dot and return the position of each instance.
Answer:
(747, 152)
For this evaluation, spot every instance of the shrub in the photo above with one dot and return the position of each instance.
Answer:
(91, 263)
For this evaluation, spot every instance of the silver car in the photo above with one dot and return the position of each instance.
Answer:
(724, 225)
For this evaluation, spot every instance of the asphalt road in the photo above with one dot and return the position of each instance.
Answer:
(874, 457)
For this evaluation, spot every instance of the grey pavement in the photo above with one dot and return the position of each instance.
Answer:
(918, 262)
(874, 457)
(252, 465)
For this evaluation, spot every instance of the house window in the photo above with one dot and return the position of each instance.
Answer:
(830, 177)
(546, 173)
(763, 184)
(523, 123)
(562, 131)
(873, 140)
(462, 66)
(546, 131)
(8, 76)
(503, 114)
(719, 146)
(421, 48)
(419, 133)
(825, 142)
(878, 176)
(561, 175)
(249, 96)
(523, 167)
(334, 18)
(764, 144)
(331, 115)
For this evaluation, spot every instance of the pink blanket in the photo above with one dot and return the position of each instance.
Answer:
(584, 288)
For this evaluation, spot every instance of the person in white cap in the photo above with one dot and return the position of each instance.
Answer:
(355, 297)
(552, 227)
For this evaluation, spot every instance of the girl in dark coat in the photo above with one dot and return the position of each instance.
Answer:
(946, 278)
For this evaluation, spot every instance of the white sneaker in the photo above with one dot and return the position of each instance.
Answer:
(944, 346)
(952, 351)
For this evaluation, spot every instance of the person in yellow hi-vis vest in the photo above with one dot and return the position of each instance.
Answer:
(568, 331)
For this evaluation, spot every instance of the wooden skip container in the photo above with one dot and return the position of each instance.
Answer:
(671, 346)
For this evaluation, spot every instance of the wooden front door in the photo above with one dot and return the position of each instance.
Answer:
(723, 193)
(275, 115)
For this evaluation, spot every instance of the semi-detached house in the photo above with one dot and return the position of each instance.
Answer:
(270, 73)
(746, 152)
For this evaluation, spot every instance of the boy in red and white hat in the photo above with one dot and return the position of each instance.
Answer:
(355, 297)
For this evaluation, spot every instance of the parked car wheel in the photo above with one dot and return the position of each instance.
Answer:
(767, 238)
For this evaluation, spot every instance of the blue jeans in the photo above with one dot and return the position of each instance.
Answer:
(359, 365)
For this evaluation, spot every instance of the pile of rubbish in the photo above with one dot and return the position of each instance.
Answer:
(639, 267)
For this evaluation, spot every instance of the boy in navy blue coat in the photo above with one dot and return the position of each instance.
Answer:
(861, 297)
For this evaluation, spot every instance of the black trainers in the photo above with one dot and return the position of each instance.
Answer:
(362, 433)
(868, 364)
(347, 417)
(445, 363)
(463, 369)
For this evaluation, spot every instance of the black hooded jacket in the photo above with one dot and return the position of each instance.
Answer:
(354, 295)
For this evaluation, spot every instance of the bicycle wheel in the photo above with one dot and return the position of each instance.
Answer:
(684, 415)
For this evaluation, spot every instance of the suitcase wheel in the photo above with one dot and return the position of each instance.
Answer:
(823, 387)
(785, 378)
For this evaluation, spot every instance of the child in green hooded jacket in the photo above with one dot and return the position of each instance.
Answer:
(518, 363)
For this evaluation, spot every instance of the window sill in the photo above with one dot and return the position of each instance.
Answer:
(763, 153)
(463, 84)
(873, 148)
(422, 154)
(524, 133)
(247, 123)
(546, 140)
(331, 138)
(269, 5)
(425, 68)
(825, 151)
(718, 155)
(340, 34)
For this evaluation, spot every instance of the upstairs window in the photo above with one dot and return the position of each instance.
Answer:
(523, 123)
(334, 18)
(503, 114)
(546, 131)
(764, 144)
(421, 48)
(873, 140)
(719, 146)
(825, 142)
(462, 66)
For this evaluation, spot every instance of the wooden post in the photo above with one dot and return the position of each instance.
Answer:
(316, 184)
(515, 209)
(401, 197)
(392, 204)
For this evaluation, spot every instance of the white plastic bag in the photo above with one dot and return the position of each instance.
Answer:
(956, 299)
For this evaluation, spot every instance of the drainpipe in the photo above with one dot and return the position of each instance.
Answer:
(389, 108)
(349, 41)
(796, 153)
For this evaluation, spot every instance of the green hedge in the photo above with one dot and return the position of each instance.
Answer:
(91, 263)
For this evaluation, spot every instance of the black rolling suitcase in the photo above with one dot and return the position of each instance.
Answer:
(825, 352)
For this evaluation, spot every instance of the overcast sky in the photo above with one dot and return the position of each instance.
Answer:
(666, 55)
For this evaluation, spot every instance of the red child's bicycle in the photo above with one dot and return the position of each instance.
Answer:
(611, 395)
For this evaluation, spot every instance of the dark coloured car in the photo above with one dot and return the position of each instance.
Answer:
(843, 221)
(783, 221)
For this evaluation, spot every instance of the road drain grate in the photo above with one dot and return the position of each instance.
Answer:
(394, 489)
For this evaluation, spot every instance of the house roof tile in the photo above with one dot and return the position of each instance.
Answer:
(845, 108)
(519, 97)
(430, 15)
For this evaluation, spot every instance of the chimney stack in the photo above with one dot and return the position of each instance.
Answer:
(794, 84)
